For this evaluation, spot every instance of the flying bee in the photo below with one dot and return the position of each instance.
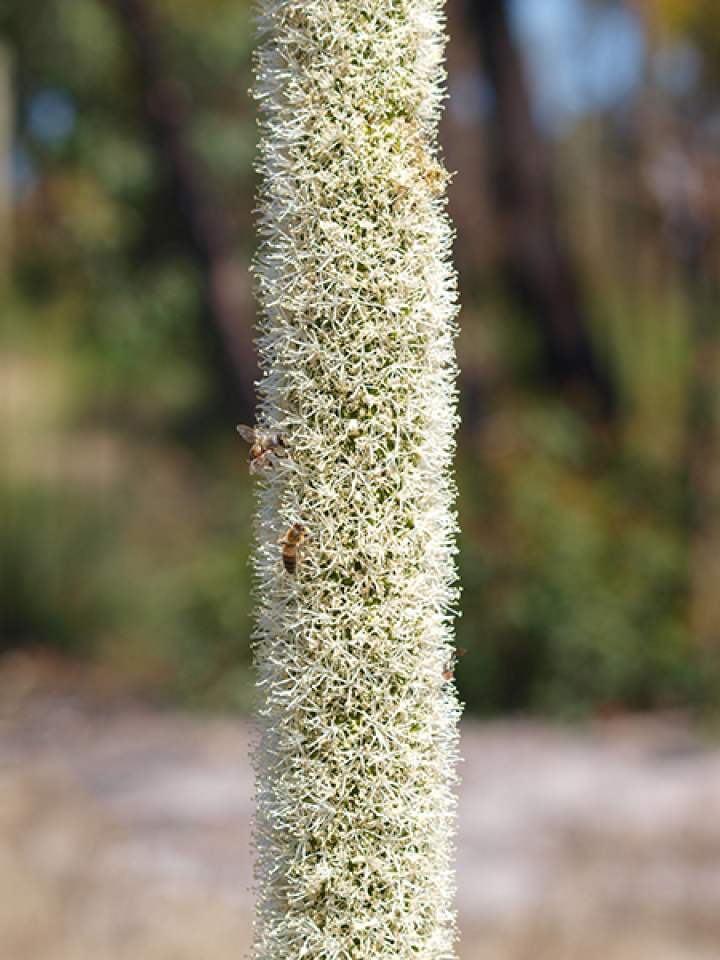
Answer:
(291, 544)
(264, 447)
(449, 671)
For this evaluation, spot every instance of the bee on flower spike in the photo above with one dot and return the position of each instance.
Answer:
(291, 544)
(264, 447)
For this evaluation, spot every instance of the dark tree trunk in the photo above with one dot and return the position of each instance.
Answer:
(205, 231)
(539, 267)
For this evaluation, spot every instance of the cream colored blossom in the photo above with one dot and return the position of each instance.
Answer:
(358, 729)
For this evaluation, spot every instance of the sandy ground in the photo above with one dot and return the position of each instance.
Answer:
(124, 833)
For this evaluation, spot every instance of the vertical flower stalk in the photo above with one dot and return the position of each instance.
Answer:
(358, 726)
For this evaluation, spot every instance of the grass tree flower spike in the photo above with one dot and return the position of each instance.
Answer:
(357, 745)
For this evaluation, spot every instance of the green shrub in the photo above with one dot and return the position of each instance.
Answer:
(55, 584)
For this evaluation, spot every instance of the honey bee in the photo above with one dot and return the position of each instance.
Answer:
(449, 671)
(264, 447)
(291, 544)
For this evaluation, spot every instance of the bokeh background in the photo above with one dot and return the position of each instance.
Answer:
(585, 140)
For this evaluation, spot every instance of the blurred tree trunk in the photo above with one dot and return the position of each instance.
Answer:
(540, 272)
(5, 164)
(206, 233)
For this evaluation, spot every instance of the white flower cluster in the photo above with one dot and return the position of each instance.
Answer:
(358, 729)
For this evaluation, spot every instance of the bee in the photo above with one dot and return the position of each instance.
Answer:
(264, 447)
(449, 671)
(291, 544)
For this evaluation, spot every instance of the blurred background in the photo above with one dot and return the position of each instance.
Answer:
(585, 140)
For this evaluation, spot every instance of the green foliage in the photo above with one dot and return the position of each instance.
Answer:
(575, 538)
(55, 583)
(575, 580)
(103, 229)
(211, 648)
(80, 574)
(140, 345)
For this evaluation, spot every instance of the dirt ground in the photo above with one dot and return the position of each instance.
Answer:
(124, 833)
